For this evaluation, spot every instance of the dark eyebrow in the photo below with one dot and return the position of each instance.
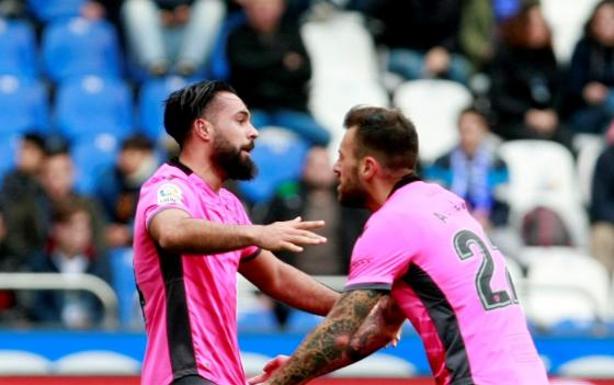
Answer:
(243, 113)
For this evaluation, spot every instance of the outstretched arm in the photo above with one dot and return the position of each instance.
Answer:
(288, 284)
(175, 230)
(351, 331)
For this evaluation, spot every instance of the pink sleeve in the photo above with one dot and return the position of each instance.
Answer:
(250, 252)
(166, 194)
(380, 255)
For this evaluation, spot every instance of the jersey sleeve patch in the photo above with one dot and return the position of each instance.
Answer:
(169, 194)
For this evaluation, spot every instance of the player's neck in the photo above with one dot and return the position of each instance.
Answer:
(204, 170)
(378, 194)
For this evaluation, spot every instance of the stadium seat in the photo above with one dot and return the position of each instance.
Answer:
(589, 367)
(151, 104)
(564, 284)
(434, 107)
(79, 47)
(275, 146)
(542, 173)
(16, 362)
(345, 70)
(51, 10)
(379, 365)
(589, 147)
(125, 287)
(24, 106)
(18, 47)
(91, 106)
(100, 362)
(92, 156)
(567, 21)
(8, 146)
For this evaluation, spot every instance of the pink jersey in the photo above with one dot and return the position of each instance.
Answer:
(189, 301)
(451, 283)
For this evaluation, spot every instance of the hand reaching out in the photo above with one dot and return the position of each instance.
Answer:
(289, 235)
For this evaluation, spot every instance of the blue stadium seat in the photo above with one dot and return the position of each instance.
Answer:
(151, 104)
(18, 48)
(92, 156)
(51, 10)
(275, 146)
(23, 106)
(124, 285)
(79, 47)
(8, 147)
(90, 106)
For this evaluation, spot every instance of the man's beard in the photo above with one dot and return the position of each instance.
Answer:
(231, 161)
(353, 195)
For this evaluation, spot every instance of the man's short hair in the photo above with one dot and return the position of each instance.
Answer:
(188, 104)
(34, 138)
(386, 134)
(137, 142)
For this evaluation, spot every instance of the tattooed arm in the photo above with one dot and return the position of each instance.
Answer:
(352, 331)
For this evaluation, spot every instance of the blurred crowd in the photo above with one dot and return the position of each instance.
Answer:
(502, 51)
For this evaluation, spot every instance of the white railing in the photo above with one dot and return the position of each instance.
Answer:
(59, 281)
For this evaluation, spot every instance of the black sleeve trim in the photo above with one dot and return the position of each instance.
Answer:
(252, 256)
(368, 286)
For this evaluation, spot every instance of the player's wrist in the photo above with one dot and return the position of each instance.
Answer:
(253, 234)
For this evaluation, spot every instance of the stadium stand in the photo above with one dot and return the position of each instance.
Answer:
(18, 47)
(63, 74)
(543, 173)
(435, 121)
(78, 47)
(91, 106)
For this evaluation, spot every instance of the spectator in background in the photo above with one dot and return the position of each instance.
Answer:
(474, 171)
(172, 34)
(12, 310)
(270, 69)
(423, 38)
(118, 188)
(526, 82)
(591, 74)
(70, 252)
(25, 207)
(602, 205)
(57, 178)
(314, 196)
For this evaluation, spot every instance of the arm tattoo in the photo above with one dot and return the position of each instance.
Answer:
(328, 346)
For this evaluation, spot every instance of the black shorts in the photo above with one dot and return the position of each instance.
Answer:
(192, 380)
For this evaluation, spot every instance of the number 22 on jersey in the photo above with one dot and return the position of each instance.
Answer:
(491, 299)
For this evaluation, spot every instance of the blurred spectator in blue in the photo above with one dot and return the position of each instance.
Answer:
(423, 38)
(314, 196)
(25, 205)
(271, 70)
(526, 81)
(591, 75)
(118, 188)
(71, 252)
(474, 171)
(58, 179)
(602, 205)
(174, 35)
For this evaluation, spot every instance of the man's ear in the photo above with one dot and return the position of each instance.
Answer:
(369, 167)
(203, 129)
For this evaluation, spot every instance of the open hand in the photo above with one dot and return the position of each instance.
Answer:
(289, 235)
